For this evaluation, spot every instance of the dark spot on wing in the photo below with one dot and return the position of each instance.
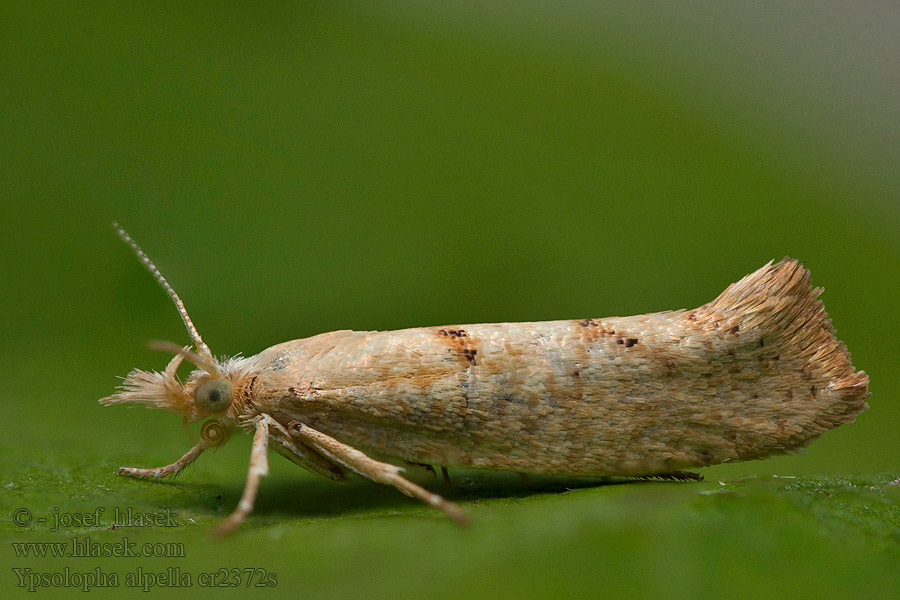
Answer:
(469, 353)
(452, 333)
(459, 343)
(594, 323)
(592, 330)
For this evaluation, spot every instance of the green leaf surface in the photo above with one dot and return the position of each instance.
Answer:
(296, 168)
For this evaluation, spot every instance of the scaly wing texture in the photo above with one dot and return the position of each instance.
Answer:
(756, 372)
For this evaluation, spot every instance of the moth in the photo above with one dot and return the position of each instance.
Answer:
(754, 373)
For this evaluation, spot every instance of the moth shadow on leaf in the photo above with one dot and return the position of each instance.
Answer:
(311, 498)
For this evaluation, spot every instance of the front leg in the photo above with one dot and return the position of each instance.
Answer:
(213, 433)
(173, 469)
(370, 468)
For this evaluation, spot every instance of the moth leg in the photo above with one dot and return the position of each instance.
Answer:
(301, 454)
(677, 476)
(259, 467)
(370, 468)
(174, 468)
(446, 475)
(428, 468)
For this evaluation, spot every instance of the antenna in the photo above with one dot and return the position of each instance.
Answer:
(202, 348)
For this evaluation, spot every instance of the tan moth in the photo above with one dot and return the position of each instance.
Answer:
(756, 372)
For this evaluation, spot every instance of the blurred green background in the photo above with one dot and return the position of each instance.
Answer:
(295, 168)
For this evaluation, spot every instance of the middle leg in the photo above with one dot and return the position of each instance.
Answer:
(370, 468)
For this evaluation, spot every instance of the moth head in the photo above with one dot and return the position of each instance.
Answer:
(209, 390)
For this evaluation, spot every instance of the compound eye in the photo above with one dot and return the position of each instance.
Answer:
(214, 395)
